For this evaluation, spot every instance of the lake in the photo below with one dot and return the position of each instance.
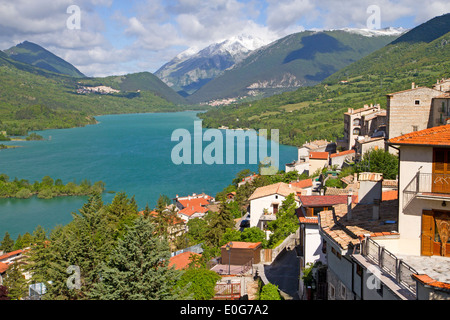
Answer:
(130, 153)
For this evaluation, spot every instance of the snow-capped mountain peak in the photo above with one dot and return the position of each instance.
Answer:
(377, 32)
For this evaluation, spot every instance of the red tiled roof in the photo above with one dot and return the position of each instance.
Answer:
(309, 220)
(182, 260)
(194, 202)
(426, 280)
(319, 155)
(343, 153)
(436, 136)
(3, 267)
(243, 245)
(323, 201)
(189, 211)
(302, 184)
(10, 254)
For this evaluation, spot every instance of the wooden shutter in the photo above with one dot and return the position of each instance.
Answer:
(427, 233)
(441, 171)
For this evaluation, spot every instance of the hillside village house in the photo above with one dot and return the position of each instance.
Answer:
(7, 259)
(318, 161)
(338, 159)
(193, 206)
(395, 248)
(266, 201)
(418, 108)
(363, 122)
(301, 165)
(424, 219)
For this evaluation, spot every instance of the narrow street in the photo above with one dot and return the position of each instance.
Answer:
(284, 273)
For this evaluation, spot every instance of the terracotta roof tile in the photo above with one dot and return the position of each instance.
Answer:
(436, 136)
(280, 188)
(182, 260)
(426, 280)
(302, 184)
(323, 201)
(319, 155)
(343, 153)
(243, 245)
(345, 232)
(3, 267)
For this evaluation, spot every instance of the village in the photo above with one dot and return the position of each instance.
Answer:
(364, 236)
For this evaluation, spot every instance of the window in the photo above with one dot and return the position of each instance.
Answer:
(417, 102)
(359, 270)
(331, 292)
(415, 128)
(343, 291)
(357, 122)
(337, 254)
(356, 131)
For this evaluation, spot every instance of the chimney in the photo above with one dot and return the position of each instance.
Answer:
(376, 209)
(290, 185)
(349, 205)
(413, 85)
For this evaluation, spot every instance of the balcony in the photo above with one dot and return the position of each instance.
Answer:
(427, 185)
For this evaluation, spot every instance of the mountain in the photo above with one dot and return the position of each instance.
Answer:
(316, 112)
(33, 98)
(298, 60)
(142, 81)
(31, 53)
(192, 69)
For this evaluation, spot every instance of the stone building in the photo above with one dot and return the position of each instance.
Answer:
(362, 122)
(418, 108)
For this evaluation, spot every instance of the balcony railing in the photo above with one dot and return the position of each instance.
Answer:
(388, 262)
(438, 183)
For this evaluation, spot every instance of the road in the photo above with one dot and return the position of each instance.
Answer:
(284, 273)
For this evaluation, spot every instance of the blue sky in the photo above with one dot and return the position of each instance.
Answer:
(118, 37)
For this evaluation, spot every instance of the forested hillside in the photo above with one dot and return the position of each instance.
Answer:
(317, 112)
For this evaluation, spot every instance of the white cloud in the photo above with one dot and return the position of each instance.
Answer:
(148, 33)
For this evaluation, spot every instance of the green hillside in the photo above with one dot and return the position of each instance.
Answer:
(297, 60)
(33, 54)
(32, 98)
(143, 81)
(317, 112)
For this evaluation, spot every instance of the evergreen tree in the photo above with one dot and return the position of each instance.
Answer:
(18, 244)
(15, 282)
(218, 225)
(200, 283)
(7, 243)
(138, 268)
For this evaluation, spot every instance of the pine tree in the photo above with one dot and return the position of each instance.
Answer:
(138, 268)
(15, 282)
(19, 243)
(7, 244)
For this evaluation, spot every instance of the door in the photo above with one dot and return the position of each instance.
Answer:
(435, 233)
(427, 233)
(441, 171)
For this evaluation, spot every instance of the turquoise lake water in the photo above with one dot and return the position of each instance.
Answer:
(130, 153)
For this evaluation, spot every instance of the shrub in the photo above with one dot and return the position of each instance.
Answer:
(270, 292)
